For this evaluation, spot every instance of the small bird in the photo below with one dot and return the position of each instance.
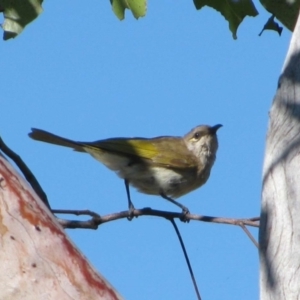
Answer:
(166, 166)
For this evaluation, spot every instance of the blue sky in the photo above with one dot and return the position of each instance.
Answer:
(79, 72)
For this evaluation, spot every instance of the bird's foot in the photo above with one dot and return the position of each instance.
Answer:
(185, 212)
(130, 212)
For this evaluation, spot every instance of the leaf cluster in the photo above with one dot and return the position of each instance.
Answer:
(19, 13)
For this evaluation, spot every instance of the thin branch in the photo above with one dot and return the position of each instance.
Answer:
(255, 219)
(85, 212)
(97, 220)
(26, 172)
(249, 235)
(186, 258)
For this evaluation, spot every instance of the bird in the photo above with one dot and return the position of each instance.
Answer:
(166, 166)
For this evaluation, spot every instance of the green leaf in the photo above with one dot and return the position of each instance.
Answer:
(137, 7)
(272, 25)
(234, 11)
(17, 14)
(285, 11)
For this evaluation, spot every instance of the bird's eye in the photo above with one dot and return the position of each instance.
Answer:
(197, 135)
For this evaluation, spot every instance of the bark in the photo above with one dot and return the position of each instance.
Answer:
(279, 233)
(38, 260)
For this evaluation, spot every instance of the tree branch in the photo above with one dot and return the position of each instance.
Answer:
(97, 220)
(26, 171)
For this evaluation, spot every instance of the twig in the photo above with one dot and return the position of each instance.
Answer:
(85, 212)
(186, 258)
(249, 235)
(26, 172)
(98, 220)
(255, 219)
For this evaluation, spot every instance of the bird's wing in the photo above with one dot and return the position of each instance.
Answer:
(173, 152)
(164, 151)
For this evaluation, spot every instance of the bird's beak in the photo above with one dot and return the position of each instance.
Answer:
(215, 128)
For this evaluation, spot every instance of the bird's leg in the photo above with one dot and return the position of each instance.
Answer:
(185, 210)
(130, 204)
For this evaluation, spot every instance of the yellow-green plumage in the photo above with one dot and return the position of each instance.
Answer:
(163, 151)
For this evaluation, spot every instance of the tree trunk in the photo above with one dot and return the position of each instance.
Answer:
(279, 234)
(38, 261)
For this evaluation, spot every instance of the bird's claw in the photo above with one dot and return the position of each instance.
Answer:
(185, 212)
(130, 212)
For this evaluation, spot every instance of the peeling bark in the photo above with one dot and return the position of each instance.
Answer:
(38, 260)
(279, 234)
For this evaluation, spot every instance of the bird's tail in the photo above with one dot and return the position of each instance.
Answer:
(47, 137)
